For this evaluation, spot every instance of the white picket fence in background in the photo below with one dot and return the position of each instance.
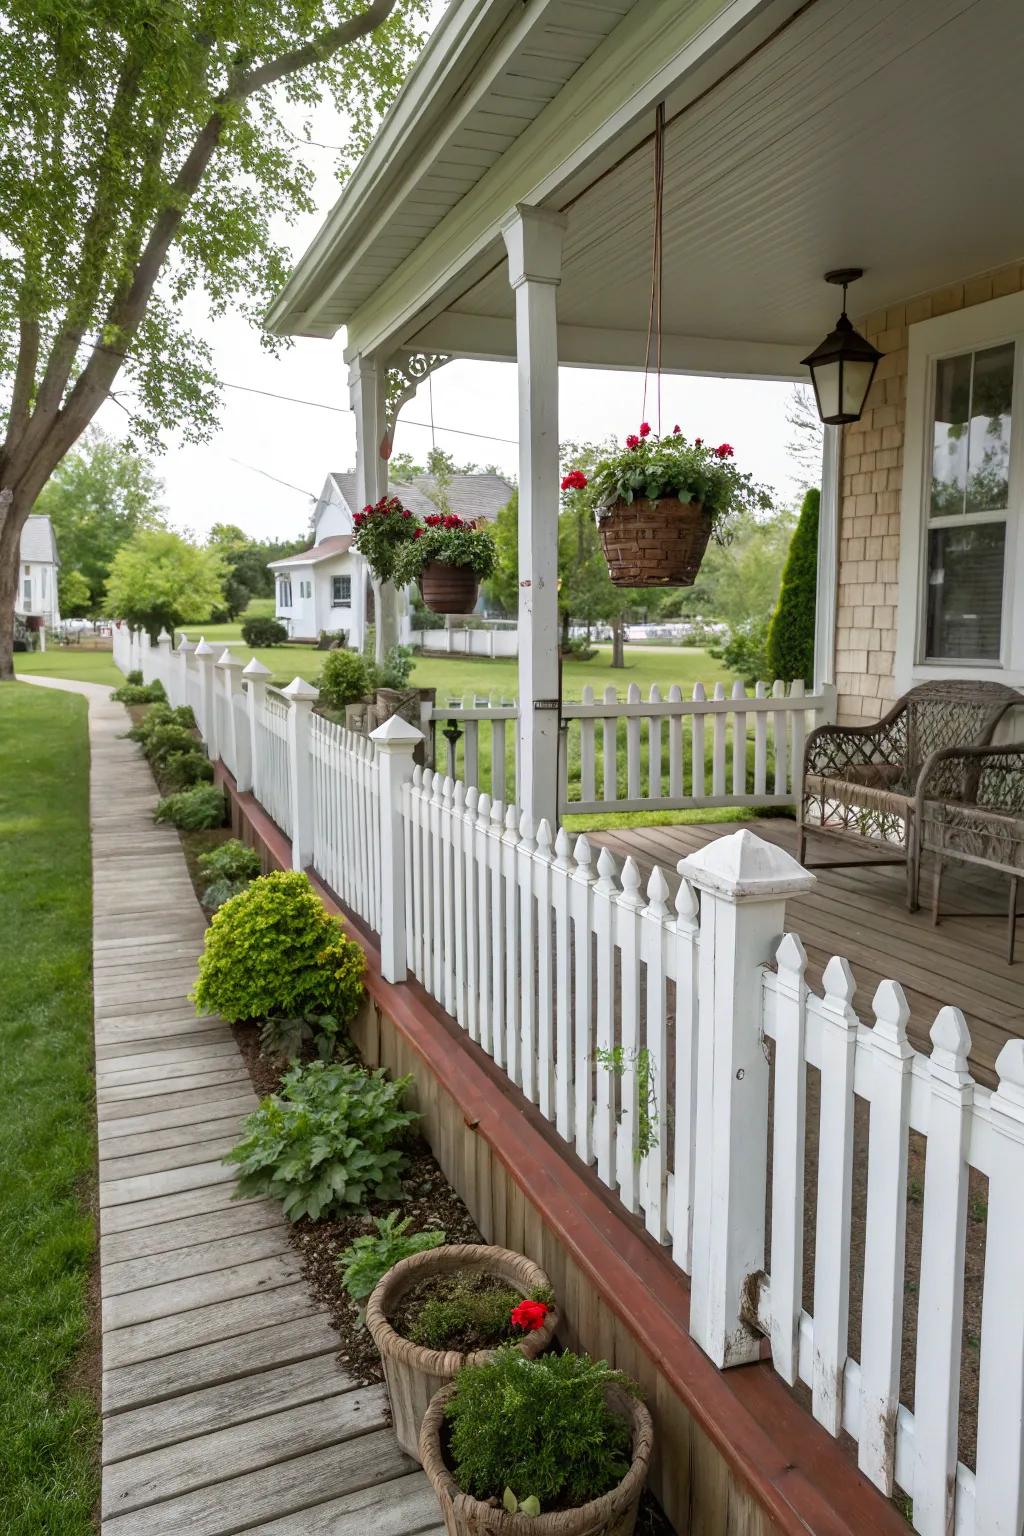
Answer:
(554, 964)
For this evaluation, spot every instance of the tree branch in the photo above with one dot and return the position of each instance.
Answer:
(315, 52)
(24, 378)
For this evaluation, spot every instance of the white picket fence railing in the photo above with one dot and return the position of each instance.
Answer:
(669, 1040)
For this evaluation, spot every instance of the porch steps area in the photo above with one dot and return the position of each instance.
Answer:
(224, 1407)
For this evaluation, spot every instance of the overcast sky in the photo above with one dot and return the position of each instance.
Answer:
(227, 478)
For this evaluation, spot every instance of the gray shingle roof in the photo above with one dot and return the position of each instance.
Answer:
(38, 541)
(471, 496)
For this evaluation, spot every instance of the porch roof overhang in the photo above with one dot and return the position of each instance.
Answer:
(800, 137)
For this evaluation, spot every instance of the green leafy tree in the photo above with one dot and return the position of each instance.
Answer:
(100, 494)
(147, 149)
(74, 594)
(159, 580)
(247, 562)
(790, 645)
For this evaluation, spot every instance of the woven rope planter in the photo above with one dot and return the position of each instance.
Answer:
(449, 588)
(413, 1374)
(612, 1515)
(654, 543)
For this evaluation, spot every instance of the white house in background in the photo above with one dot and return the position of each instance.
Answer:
(37, 577)
(327, 587)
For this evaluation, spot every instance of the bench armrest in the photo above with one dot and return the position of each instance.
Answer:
(990, 777)
(831, 749)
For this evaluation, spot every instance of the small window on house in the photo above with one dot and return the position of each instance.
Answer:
(28, 591)
(969, 504)
(284, 592)
(341, 591)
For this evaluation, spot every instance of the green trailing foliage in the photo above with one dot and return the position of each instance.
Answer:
(194, 810)
(288, 1039)
(330, 1139)
(163, 740)
(790, 641)
(541, 1427)
(465, 1311)
(263, 632)
(139, 692)
(180, 770)
(619, 1061)
(369, 1257)
(346, 676)
(226, 871)
(162, 714)
(273, 951)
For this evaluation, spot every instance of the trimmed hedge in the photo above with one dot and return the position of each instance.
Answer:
(790, 647)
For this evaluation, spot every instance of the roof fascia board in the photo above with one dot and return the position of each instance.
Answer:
(406, 136)
(633, 69)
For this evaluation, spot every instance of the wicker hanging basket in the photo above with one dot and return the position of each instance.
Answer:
(654, 543)
(413, 1374)
(449, 588)
(614, 1514)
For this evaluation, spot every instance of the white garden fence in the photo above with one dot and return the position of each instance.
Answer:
(673, 1042)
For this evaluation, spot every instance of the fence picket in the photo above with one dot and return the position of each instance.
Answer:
(588, 783)
(675, 746)
(545, 1041)
(561, 873)
(788, 1142)
(684, 949)
(697, 761)
(718, 745)
(605, 891)
(527, 994)
(654, 790)
(609, 756)
(760, 744)
(485, 925)
(514, 982)
(498, 933)
(739, 742)
(627, 1156)
(654, 1114)
(582, 903)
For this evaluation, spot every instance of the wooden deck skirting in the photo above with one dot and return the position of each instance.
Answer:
(735, 1452)
(224, 1407)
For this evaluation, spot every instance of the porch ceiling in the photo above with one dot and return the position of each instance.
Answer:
(880, 134)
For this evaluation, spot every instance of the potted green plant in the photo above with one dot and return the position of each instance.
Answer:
(440, 1310)
(448, 558)
(659, 501)
(562, 1440)
(381, 530)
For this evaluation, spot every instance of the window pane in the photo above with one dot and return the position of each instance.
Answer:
(989, 451)
(949, 435)
(965, 591)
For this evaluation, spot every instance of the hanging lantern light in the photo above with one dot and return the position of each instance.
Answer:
(843, 366)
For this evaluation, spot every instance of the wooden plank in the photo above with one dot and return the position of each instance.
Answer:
(201, 1325)
(188, 1202)
(404, 1506)
(191, 1113)
(165, 1159)
(177, 1138)
(204, 1087)
(157, 1269)
(168, 1299)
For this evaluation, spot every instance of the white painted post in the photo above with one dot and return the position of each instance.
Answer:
(999, 1485)
(744, 883)
(163, 641)
(229, 669)
(395, 741)
(256, 674)
(301, 697)
(533, 238)
(183, 654)
(366, 395)
(788, 1156)
(205, 659)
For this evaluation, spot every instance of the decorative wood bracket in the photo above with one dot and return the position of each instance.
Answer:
(403, 377)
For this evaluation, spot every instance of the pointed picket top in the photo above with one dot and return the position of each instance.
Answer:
(459, 797)
(427, 783)
(840, 982)
(447, 791)
(472, 801)
(255, 670)
(544, 840)
(633, 694)
(395, 734)
(497, 815)
(675, 694)
(563, 850)
(483, 807)
(738, 690)
(719, 692)
(744, 867)
(228, 659)
(791, 955)
(437, 784)
(185, 645)
(632, 895)
(527, 832)
(687, 906)
(299, 691)
(417, 775)
(657, 894)
(607, 869)
(611, 694)
(891, 1011)
(163, 637)
(699, 693)
(654, 697)
(588, 693)
(951, 1046)
(203, 649)
(511, 824)
(1009, 1096)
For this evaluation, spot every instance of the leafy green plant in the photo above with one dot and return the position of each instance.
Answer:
(230, 861)
(135, 678)
(396, 668)
(194, 810)
(380, 532)
(274, 950)
(159, 714)
(330, 1139)
(258, 631)
(620, 1061)
(464, 1312)
(451, 540)
(220, 891)
(162, 740)
(286, 1039)
(789, 652)
(370, 1257)
(140, 692)
(542, 1425)
(180, 770)
(517, 1506)
(344, 678)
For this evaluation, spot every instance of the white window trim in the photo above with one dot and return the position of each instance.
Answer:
(341, 602)
(966, 330)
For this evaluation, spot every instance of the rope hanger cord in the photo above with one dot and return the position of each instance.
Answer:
(654, 311)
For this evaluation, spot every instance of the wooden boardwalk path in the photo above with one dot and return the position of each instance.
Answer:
(224, 1409)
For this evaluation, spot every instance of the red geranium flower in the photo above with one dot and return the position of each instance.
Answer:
(632, 441)
(575, 480)
(406, 512)
(434, 520)
(645, 429)
(724, 451)
(452, 521)
(367, 508)
(676, 430)
(417, 533)
(359, 519)
(698, 442)
(529, 1315)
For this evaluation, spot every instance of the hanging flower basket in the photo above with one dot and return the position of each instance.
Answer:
(380, 531)
(447, 558)
(659, 501)
(414, 1373)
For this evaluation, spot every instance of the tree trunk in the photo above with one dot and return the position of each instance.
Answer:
(565, 631)
(12, 520)
(618, 644)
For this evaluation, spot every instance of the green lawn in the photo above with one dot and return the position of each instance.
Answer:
(49, 1426)
(69, 661)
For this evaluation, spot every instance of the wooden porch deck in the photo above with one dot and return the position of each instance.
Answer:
(861, 914)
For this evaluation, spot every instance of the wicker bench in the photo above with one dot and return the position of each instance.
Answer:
(870, 785)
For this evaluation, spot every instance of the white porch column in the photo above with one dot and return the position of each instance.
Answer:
(301, 697)
(206, 658)
(828, 563)
(366, 394)
(533, 237)
(744, 883)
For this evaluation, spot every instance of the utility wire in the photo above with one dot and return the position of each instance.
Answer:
(344, 410)
(268, 476)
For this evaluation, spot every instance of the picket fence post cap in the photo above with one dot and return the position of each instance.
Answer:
(185, 644)
(163, 638)
(743, 867)
(299, 691)
(255, 669)
(204, 648)
(396, 732)
(226, 659)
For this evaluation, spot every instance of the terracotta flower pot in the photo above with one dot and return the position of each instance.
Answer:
(654, 543)
(614, 1514)
(449, 588)
(413, 1374)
